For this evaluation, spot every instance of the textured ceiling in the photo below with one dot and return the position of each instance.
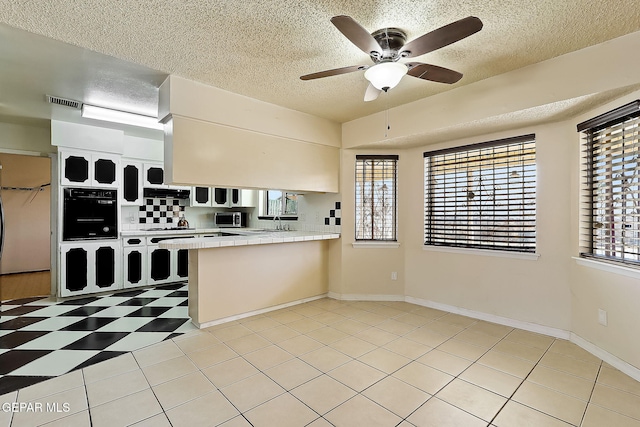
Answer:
(260, 48)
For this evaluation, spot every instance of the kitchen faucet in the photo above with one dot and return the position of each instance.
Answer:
(279, 226)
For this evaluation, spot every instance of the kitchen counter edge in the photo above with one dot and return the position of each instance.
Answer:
(254, 239)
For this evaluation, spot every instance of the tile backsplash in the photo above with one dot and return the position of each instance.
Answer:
(161, 211)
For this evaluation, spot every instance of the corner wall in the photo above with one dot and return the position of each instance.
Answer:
(554, 292)
(526, 290)
(592, 288)
(365, 273)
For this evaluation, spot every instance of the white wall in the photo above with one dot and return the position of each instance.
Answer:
(366, 272)
(21, 138)
(551, 293)
(535, 291)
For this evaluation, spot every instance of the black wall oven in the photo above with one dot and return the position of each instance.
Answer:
(89, 213)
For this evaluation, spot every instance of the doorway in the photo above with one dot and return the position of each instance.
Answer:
(25, 261)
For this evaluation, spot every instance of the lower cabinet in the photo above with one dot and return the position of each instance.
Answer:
(134, 266)
(89, 267)
(167, 265)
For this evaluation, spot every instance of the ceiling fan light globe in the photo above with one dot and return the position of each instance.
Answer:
(385, 75)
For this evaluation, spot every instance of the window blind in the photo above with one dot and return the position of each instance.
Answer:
(482, 196)
(610, 197)
(376, 197)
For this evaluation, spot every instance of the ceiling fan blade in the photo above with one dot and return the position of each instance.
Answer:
(356, 34)
(433, 73)
(372, 93)
(442, 37)
(334, 72)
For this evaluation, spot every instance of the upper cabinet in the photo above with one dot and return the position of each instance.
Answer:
(201, 197)
(220, 197)
(223, 197)
(154, 175)
(249, 198)
(132, 172)
(89, 169)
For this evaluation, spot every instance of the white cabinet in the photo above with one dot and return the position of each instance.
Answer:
(90, 267)
(132, 172)
(154, 175)
(201, 197)
(220, 197)
(135, 266)
(249, 198)
(166, 265)
(89, 169)
(233, 198)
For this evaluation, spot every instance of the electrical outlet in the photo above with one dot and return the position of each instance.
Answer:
(602, 317)
(394, 275)
(317, 216)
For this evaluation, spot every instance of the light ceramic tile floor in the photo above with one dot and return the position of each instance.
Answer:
(337, 363)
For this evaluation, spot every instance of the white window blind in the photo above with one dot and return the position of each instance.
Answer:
(610, 199)
(482, 196)
(376, 197)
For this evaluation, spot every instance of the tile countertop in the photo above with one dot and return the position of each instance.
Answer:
(131, 233)
(247, 237)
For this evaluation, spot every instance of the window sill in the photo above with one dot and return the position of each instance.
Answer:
(483, 252)
(608, 267)
(375, 244)
(283, 218)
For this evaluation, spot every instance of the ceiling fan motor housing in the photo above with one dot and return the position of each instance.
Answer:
(391, 41)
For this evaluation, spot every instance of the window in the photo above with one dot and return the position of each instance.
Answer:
(376, 185)
(611, 182)
(280, 203)
(482, 196)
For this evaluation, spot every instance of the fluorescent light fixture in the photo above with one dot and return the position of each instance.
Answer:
(385, 75)
(115, 116)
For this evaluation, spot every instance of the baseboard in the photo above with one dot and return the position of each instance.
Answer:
(255, 312)
(527, 326)
(365, 297)
(612, 360)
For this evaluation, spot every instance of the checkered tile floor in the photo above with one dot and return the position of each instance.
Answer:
(41, 338)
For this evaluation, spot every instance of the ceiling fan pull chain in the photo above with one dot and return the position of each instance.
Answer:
(387, 126)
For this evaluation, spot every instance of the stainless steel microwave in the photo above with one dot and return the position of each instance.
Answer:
(230, 219)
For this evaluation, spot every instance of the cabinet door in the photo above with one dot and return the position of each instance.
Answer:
(160, 268)
(87, 268)
(89, 169)
(105, 268)
(74, 271)
(135, 266)
(220, 197)
(75, 168)
(105, 170)
(235, 198)
(200, 196)
(182, 264)
(154, 175)
(249, 198)
(131, 183)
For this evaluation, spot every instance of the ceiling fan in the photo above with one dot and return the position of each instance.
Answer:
(388, 45)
